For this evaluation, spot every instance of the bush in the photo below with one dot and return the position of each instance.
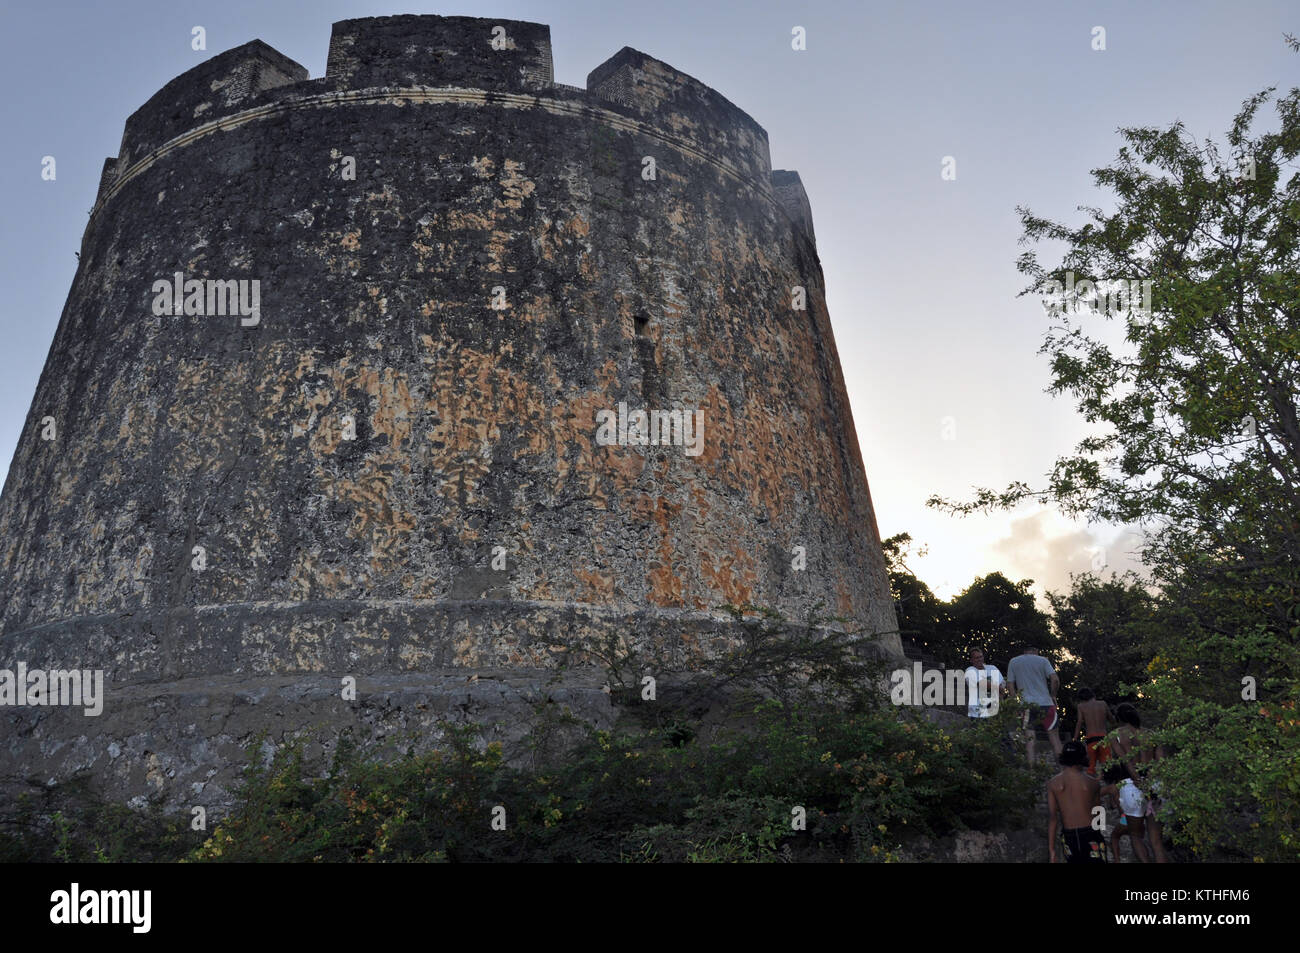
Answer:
(864, 782)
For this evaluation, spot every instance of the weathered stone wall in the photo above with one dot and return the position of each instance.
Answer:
(474, 427)
(405, 51)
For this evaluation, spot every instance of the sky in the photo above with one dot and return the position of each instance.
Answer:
(939, 354)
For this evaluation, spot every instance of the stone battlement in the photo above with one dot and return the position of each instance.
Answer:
(511, 57)
(466, 52)
(406, 472)
(216, 87)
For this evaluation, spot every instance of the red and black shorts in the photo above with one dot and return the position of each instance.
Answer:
(1046, 715)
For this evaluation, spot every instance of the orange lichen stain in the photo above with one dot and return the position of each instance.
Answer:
(496, 247)
(374, 517)
(393, 417)
(599, 585)
(625, 464)
(573, 434)
(326, 431)
(134, 426)
(843, 598)
(463, 647)
(422, 253)
(691, 643)
(111, 475)
(736, 592)
(701, 498)
(666, 588)
(382, 301)
(515, 187)
(387, 197)
(311, 580)
(143, 561)
(568, 240)
(373, 494)
(427, 585)
(461, 220)
(278, 385)
(719, 430)
(307, 362)
(470, 391)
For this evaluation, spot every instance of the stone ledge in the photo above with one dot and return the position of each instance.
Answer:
(183, 744)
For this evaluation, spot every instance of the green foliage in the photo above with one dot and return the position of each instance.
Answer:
(992, 613)
(797, 725)
(1197, 439)
(922, 616)
(428, 808)
(1000, 616)
(729, 828)
(1104, 629)
(820, 660)
(68, 823)
(1229, 699)
(866, 782)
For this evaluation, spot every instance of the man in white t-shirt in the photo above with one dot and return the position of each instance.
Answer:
(984, 687)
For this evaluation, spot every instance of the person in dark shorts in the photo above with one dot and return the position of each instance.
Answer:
(1072, 795)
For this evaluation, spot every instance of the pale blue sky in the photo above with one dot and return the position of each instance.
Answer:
(920, 271)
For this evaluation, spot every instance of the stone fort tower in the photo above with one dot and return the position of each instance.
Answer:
(391, 469)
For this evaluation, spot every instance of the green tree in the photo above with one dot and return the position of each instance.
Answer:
(922, 616)
(1001, 617)
(1105, 630)
(1197, 440)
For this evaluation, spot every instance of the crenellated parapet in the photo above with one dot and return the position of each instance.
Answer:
(217, 87)
(683, 105)
(788, 190)
(464, 52)
(467, 59)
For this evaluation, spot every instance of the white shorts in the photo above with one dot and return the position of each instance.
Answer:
(1131, 800)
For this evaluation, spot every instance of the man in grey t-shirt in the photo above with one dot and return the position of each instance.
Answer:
(1032, 677)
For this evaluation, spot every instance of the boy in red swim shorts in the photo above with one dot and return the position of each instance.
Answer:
(1093, 723)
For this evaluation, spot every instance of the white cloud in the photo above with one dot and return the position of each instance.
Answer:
(1046, 548)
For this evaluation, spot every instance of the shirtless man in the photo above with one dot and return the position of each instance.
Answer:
(1093, 723)
(1073, 795)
